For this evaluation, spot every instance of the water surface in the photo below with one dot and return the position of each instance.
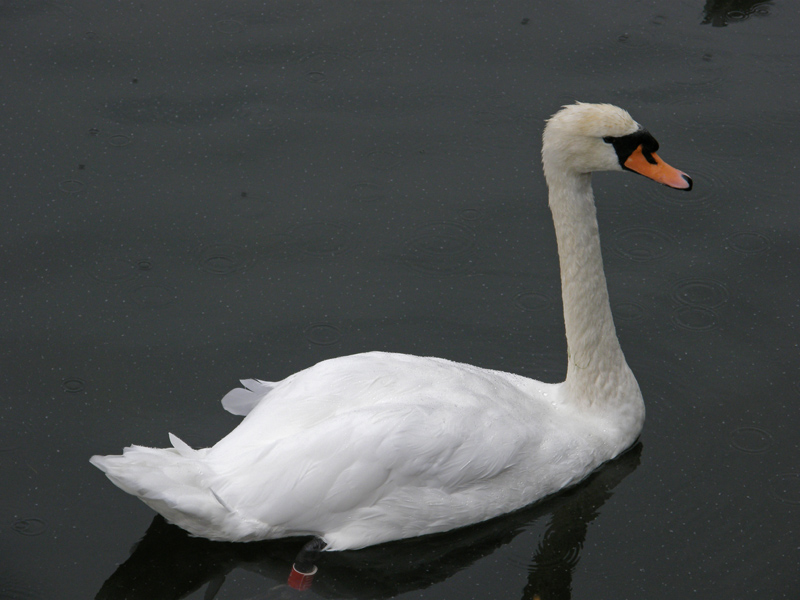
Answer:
(241, 189)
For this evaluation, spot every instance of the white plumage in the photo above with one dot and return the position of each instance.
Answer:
(374, 447)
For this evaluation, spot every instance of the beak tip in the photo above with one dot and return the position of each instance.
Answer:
(688, 181)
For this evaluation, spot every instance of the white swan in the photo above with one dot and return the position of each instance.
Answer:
(374, 447)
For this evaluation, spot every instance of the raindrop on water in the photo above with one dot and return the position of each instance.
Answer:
(643, 244)
(708, 293)
(751, 439)
(29, 526)
(119, 140)
(70, 186)
(748, 242)
(323, 334)
(533, 301)
(694, 318)
(73, 385)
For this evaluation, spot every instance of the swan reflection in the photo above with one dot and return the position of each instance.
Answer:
(169, 564)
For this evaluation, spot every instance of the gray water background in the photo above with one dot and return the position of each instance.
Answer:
(195, 193)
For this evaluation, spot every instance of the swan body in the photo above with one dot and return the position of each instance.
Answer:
(375, 447)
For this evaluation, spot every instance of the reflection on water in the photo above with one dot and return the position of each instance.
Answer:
(719, 13)
(168, 564)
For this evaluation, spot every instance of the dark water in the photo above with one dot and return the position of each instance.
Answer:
(195, 193)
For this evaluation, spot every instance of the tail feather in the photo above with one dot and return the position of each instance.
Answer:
(174, 483)
(240, 401)
(184, 449)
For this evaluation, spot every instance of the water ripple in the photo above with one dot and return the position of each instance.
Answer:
(533, 301)
(786, 487)
(470, 214)
(323, 334)
(708, 293)
(119, 140)
(751, 439)
(71, 186)
(694, 318)
(222, 259)
(29, 526)
(748, 242)
(73, 385)
(643, 243)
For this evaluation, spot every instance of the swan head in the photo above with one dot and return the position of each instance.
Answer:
(583, 138)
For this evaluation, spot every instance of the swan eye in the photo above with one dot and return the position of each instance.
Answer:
(608, 139)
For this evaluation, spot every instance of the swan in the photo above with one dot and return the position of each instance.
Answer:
(374, 447)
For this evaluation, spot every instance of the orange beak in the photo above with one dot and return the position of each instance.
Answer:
(651, 166)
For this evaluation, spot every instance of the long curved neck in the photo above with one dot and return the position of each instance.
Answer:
(597, 371)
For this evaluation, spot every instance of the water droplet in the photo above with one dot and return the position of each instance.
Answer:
(70, 186)
(751, 439)
(786, 487)
(151, 296)
(700, 292)
(694, 318)
(323, 334)
(748, 242)
(533, 301)
(73, 385)
(321, 238)
(119, 140)
(643, 244)
(144, 265)
(316, 77)
(29, 526)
